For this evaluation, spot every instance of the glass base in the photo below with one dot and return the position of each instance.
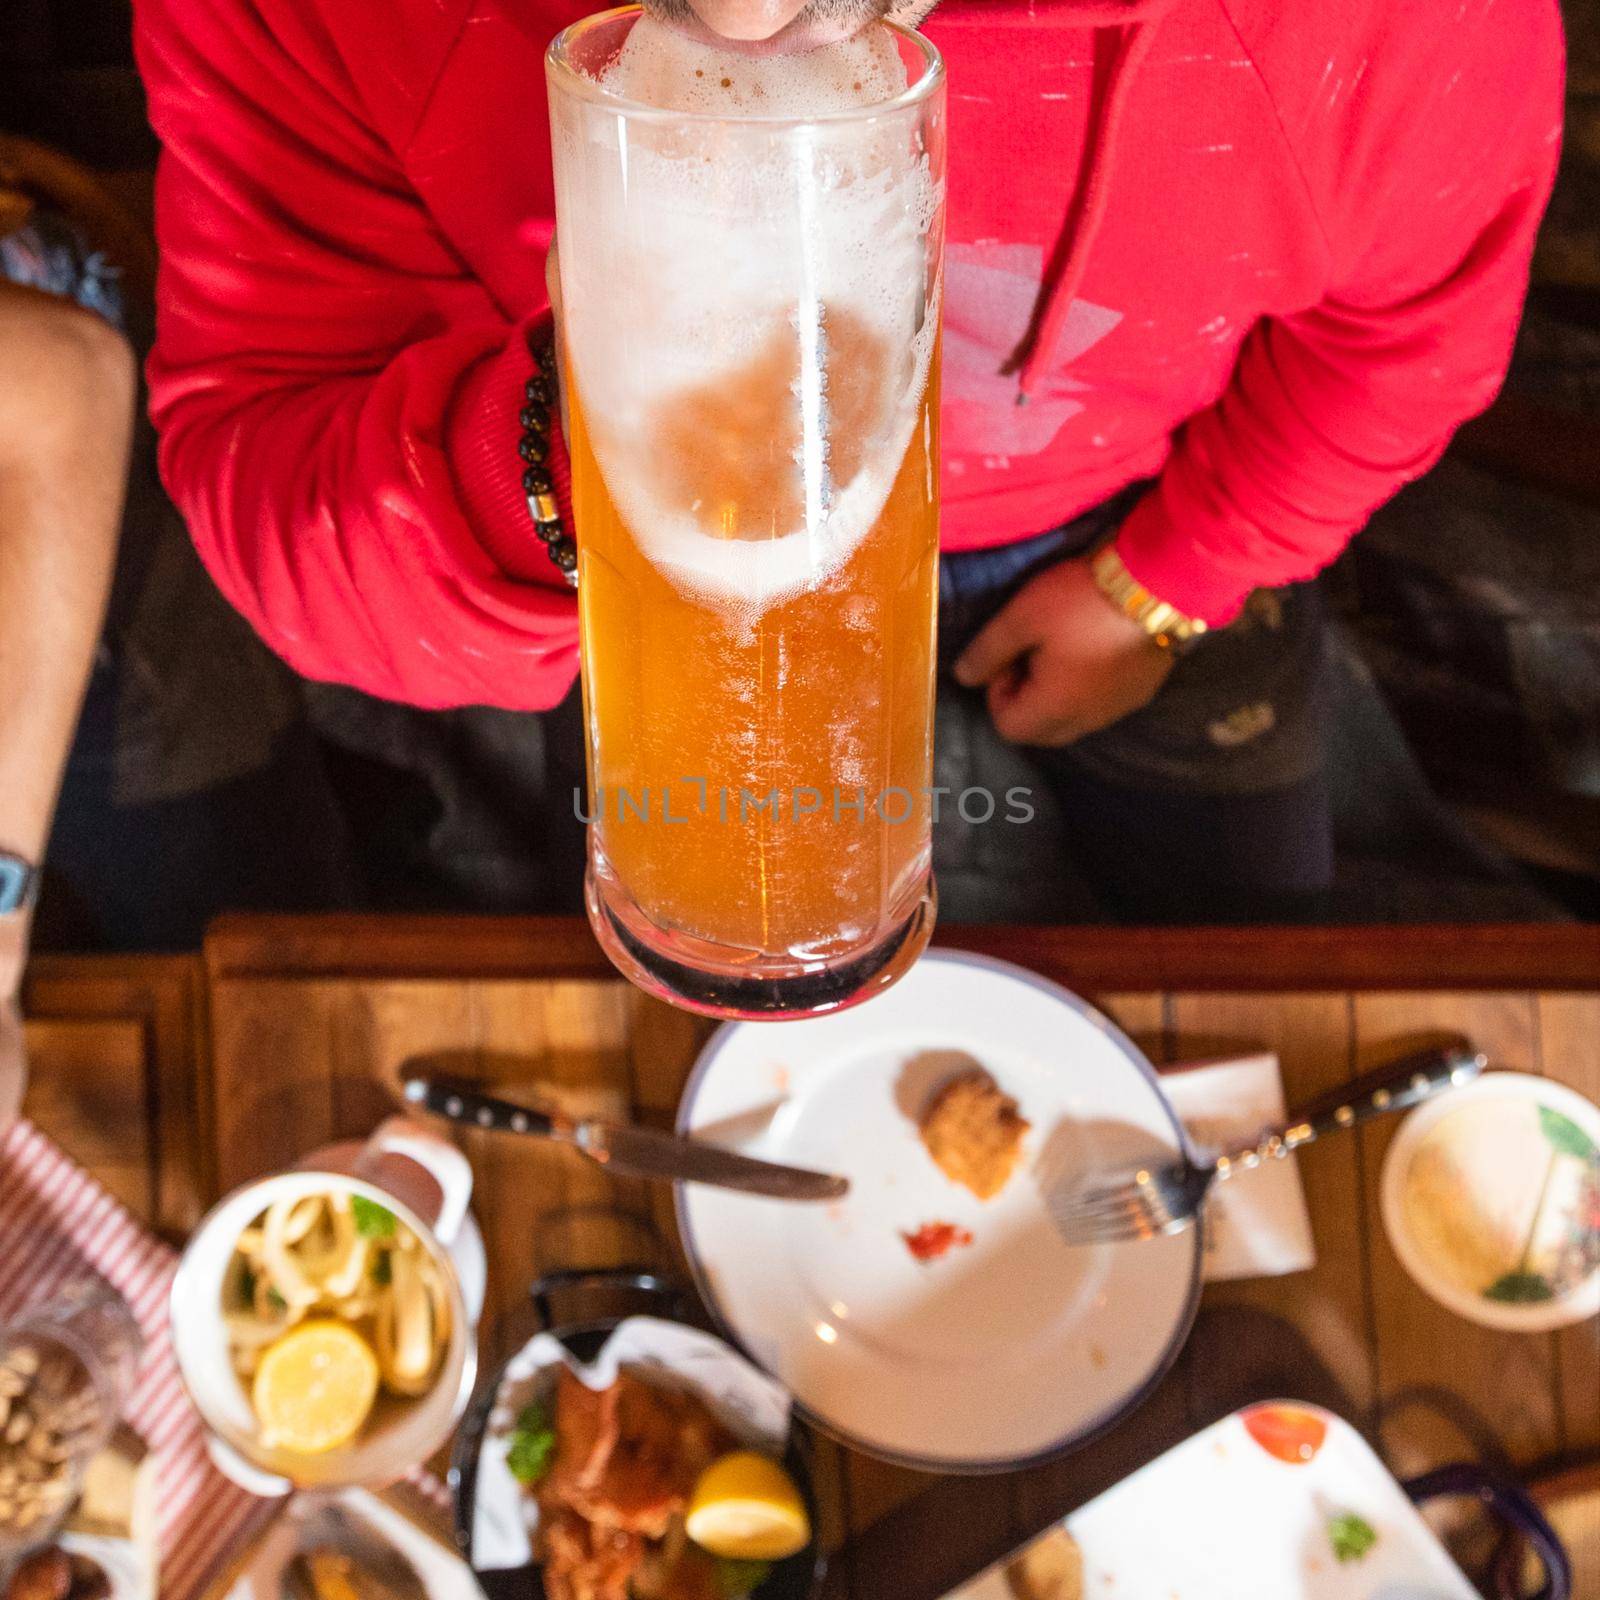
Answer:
(698, 976)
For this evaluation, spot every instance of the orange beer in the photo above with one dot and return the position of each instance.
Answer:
(825, 701)
(755, 485)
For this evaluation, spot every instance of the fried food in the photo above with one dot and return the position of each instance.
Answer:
(974, 1131)
(1051, 1568)
(333, 1260)
(676, 1569)
(584, 1561)
(612, 1504)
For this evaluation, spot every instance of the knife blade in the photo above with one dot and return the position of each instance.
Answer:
(630, 1152)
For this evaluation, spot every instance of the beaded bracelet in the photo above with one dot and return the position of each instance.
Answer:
(540, 394)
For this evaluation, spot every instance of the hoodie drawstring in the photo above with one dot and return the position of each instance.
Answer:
(1134, 38)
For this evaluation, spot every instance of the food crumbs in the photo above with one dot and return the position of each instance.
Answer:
(934, 1240)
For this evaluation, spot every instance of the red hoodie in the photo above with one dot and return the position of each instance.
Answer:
(1273, 253)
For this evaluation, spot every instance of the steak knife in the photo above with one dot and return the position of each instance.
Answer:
(630, 1152)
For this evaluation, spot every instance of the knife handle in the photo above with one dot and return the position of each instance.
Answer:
(460, 1102)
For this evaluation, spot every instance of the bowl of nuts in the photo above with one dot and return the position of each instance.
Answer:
(65, 1370)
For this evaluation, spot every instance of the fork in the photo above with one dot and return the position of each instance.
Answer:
(1147, 1201)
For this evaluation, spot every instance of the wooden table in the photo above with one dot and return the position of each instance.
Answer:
(118, 1052)
(303, 1025)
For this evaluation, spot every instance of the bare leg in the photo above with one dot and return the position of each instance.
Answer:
(67, 383)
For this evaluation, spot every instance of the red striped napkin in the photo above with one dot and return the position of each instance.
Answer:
(57, 1226)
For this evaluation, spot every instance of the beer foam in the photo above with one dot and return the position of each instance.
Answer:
(658, 66)
(690, 247)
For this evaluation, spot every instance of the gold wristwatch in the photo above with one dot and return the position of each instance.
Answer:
(1165, 624)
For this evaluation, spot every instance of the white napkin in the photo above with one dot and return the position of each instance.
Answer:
(1256, 1224)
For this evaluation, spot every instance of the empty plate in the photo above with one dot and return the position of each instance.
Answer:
(1008, 1346)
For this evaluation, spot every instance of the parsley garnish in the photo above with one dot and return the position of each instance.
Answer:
(372, 1220)
(533, 1444)
(1520, 1289)
(1351, 1536)
(737, 1579)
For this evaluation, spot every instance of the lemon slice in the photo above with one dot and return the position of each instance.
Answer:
(314, 1387)
(747, 1508)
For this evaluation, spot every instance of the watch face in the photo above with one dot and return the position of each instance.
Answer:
(16, 880)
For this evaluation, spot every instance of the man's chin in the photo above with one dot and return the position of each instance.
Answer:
(794, 38)
(805, 32)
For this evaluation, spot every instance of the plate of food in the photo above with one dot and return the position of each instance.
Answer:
(1281, 1499)
(959, 1105)
(640, 1459)
(321, 1323)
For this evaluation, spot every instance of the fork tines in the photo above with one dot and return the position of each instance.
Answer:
(1151, 1202)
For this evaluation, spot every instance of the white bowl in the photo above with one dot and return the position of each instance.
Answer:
(1514, 1090)
(409, 1433)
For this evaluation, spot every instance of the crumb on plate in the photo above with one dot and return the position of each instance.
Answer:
(1051, 1568)
(934, 1240)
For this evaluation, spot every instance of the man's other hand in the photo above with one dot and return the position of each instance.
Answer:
(1059, 660)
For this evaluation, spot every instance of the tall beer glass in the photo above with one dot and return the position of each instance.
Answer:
(750, 260)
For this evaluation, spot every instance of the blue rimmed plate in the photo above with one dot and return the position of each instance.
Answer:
(1004, 1350)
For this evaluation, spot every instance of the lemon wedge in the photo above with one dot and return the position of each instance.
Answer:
(314, 1387)
(747, 1508)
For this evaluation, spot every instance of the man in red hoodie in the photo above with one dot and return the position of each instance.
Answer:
(1222, 275)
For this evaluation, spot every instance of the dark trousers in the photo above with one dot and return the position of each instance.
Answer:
(1209, 805)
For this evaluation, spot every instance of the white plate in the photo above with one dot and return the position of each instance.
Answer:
(1218, 1518)
(1005, 1351)
(390, 1518)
